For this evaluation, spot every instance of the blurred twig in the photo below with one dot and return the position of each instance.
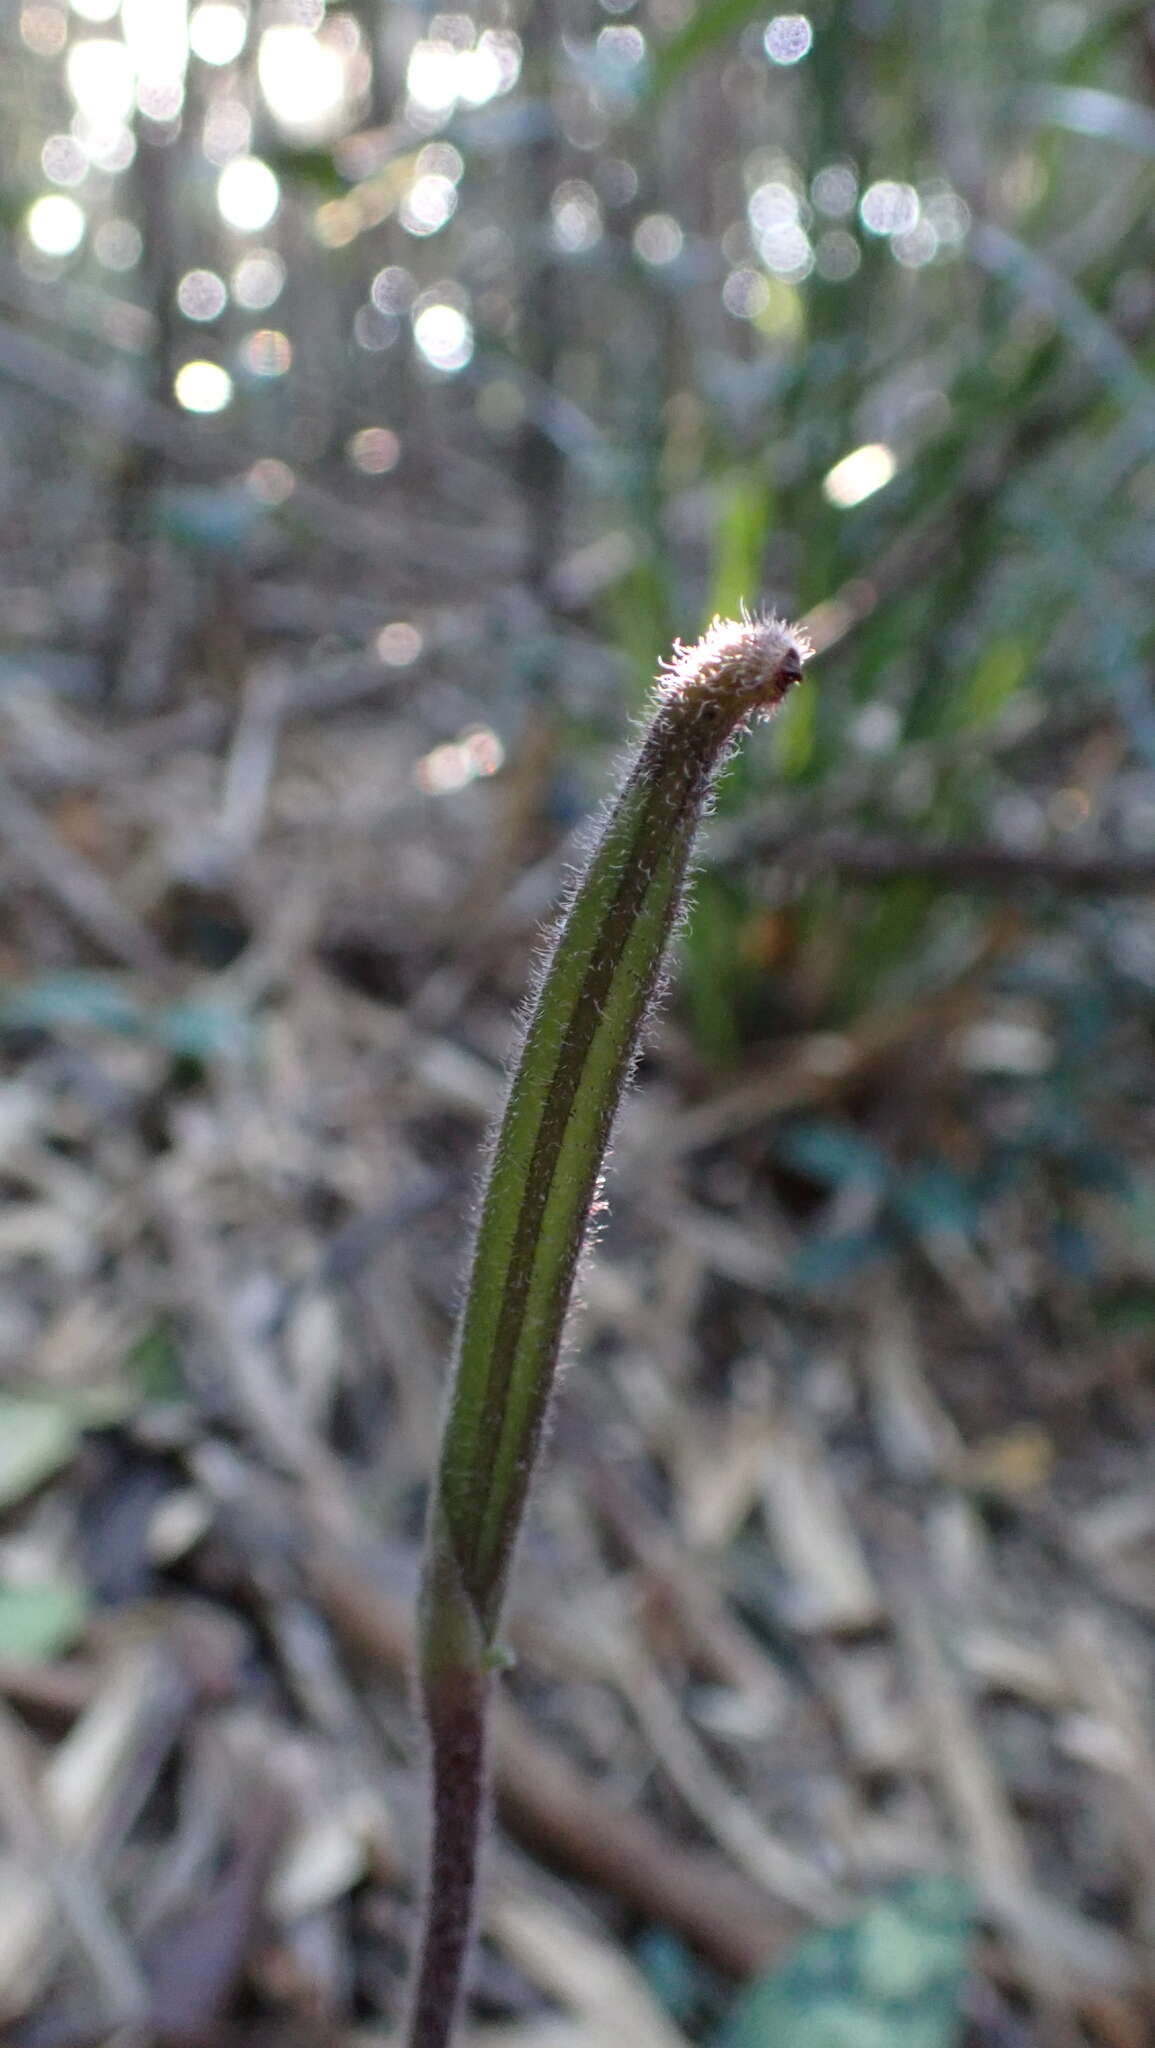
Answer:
(875, 858)
(75, 886)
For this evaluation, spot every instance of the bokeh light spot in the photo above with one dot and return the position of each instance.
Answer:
(837, 256)
(917, 246)
(270, 480)
(374, 450)
(43, 30)
(393, 289)
(228, 131)
(156, 38)
(577, 216)
(745, 293)
(118, 244)
(444, 336)
(110, 149)
(258, 280)
(217, 32)
(787, 252)
(622, 46)
(202, 387)
(476, 752)
(428, 205)
(374, 330)
(201, 295)
(303, 79)
(248, 194)
(658, 239)
(834, 190)
(859, 474)
(267, 353)
(63, 160)
(102, 80)
(889, 208)
(773, 205)
(788, 38)
(948, 214)
(399, 643)
(55, 224)
(449, 65)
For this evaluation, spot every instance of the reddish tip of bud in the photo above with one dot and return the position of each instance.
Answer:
(738, 667)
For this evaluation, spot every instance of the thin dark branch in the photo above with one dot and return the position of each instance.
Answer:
(966, 864)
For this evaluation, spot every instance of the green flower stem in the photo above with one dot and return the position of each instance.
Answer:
(580, 1044)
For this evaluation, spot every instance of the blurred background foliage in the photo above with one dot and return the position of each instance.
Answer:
(590, 320)
(381, 391)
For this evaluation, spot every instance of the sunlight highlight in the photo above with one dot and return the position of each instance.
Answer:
(248, 194)
(859, 474)
(788, 38)
(55, 224)
(101, 80)
(304, 81)
(429, 204)
(889, 208)
(217, 32)
(445, 769)
(450, 67)
(156, 37)
(444, 336)
(202, 387)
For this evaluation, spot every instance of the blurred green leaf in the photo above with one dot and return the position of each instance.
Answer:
(41, 1621)
(152, 1364)
(314, 168)
(739, 542)
(998, 673)
(795, 732)
(705, 29)
(37, 1437)
(710, 967)
(891, 1978)
(1128, 1311)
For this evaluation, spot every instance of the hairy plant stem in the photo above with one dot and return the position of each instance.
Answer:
(580, 1043)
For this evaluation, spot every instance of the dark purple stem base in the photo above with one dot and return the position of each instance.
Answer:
(460, 1796)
